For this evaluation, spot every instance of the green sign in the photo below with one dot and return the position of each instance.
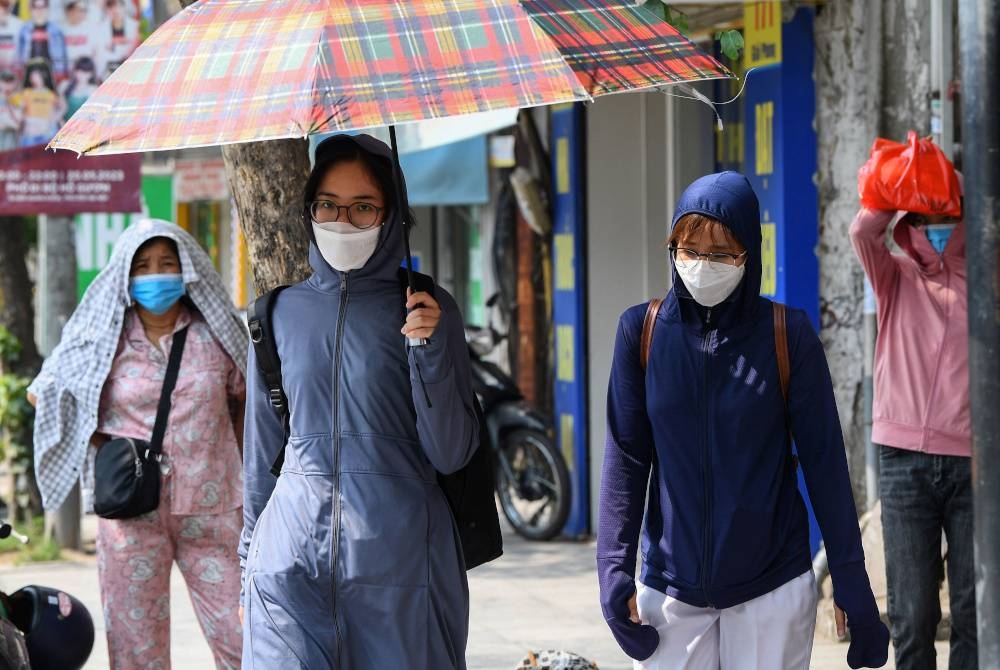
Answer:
(96, 234)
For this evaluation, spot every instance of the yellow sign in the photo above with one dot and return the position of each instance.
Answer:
(769, 258)
(566, 437)
(565, 370)
(729, 143)
(562, 165)
(764, 137)
(565, 278)
(761, 33)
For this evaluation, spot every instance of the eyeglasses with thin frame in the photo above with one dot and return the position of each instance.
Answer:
(361, 215)
(685, 255)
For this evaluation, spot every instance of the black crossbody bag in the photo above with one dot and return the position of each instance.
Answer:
(127, 471)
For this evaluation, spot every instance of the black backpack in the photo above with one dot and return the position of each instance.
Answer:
(469, 491)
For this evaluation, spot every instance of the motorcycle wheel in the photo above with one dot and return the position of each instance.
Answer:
(533, 484)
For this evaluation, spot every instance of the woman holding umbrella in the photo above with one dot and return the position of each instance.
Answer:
(351, 557)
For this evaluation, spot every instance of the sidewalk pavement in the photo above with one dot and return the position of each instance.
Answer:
(540, 595)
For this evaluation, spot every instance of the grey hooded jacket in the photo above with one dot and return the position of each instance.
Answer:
(351, 558)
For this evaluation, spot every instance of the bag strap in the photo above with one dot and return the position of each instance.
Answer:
(781, 349)
(648, 324)
(269, 363)
(169, 381)
(784, 368)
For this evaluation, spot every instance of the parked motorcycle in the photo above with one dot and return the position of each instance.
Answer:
(42, 628)
(532, 480)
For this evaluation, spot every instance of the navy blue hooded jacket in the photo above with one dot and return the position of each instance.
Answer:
(724, 522)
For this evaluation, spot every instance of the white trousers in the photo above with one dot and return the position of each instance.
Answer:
(772, 632)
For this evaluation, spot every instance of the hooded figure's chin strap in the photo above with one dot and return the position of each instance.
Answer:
(404, 217)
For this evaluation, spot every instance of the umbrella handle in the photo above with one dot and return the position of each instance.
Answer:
(403, 214)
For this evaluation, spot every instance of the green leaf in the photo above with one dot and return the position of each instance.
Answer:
(731, 42)
(674, 17)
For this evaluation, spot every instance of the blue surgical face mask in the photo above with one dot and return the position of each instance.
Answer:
(938, 234)
(157, 293)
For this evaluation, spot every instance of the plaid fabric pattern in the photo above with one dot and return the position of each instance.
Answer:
(616, 46)
(69, 385)
(225, 71)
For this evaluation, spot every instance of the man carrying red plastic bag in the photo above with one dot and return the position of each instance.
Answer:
(921, 409)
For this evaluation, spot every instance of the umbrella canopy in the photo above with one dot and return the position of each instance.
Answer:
(227, 71)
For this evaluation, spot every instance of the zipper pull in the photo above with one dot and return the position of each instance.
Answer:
(138, 467)
(343, 282)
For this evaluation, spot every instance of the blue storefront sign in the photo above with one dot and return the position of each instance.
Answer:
(780, 161)
(569, 300)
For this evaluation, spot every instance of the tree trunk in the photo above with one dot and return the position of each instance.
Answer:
(57, 293)
(906, 68)
(17, 312)
(266, 179)
(872, 78)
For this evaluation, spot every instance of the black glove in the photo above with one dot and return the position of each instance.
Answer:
(639, 641)
(869, 644)
(869, 637)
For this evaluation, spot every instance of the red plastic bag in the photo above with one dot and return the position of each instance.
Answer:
(912, 177)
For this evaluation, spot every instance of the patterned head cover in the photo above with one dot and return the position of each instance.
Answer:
(69, 386)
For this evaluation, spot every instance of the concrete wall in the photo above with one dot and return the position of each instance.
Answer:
(642, 151)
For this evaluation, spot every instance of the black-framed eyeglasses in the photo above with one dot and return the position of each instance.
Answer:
(361, 215)
(685, 255)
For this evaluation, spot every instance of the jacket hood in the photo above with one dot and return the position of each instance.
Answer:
(388, 256)
(729, 198)
(917, 248)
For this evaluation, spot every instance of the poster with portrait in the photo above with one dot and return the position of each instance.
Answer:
(53, 56)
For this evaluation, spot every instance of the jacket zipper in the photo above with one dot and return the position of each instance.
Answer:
(706, 476)
(336, 451)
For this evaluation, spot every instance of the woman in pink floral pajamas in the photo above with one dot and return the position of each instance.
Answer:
(199, 518)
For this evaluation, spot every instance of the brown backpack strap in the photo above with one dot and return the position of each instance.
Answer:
(784, 368)
(647, 330)
(781, 348)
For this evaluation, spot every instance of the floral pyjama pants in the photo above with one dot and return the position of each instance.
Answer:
(135, 557)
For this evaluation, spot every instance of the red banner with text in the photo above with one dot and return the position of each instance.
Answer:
(34, 181)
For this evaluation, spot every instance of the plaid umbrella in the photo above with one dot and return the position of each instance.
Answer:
(226, 71)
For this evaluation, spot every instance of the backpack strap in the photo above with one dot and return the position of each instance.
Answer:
(784, 366)
(648, 324)
(781, 349)
(269, 363)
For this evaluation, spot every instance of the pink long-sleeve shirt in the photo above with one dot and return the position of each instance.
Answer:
(922, 354)
(200, 442)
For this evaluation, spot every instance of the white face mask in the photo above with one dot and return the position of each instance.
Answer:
(710, 283)
(345, 247)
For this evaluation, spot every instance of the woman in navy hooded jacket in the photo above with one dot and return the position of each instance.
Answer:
(726, 579)
(351, 558)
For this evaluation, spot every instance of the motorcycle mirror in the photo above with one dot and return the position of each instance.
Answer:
(5, 531)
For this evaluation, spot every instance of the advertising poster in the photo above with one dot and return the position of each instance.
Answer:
(53, 56)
